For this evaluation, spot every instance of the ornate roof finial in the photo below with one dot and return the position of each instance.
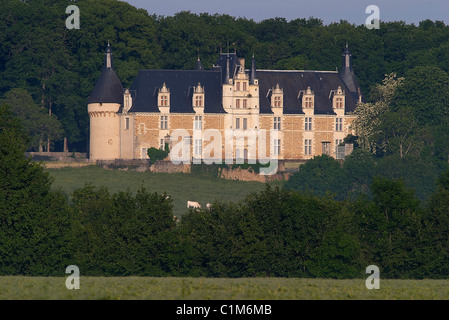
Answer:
(198, 65)
(108, 56)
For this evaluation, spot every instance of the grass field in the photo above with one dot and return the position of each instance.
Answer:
(134, 288)
(181, 187)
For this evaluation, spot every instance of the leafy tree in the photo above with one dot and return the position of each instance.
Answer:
(389, 227)
(34, 221)
(123, 234)
(39, 125)
(400, 133)
(435, 234)
(370, 115)
(425, 91)
(156, 154)
(273, 233)
(321, 175)
(359, 169)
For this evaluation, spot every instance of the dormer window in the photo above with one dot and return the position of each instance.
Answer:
(338, 97)
(308, 99)
(164, 96)
(198, 96)
(277, 97)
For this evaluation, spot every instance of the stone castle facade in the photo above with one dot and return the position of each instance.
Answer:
(301, 113)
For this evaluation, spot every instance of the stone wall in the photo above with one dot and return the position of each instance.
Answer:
(125, 164)
(57, 156)
(246, 175)
(169, 167)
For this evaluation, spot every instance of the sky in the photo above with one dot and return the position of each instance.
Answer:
(410, 11)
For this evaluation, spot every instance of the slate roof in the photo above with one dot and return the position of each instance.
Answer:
(292, 82)
(144, 90)
(108, 88)
(234, 63)
(349, 78)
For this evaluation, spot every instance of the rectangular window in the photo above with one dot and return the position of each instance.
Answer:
(199, 101)
(198, 123)
(307, 147)
(237, 103)
(245, 123)
(162, 145)
(338, 141)
(244, 86)
(164, 122)
(237, 123)
(237, 85)
(244, 104)
(126, 123)
(277, 101)
(276, 147)
(198, 146)
(326, 148)
(277, 123)
(308, 103)
(339, 124)
(308, 124)
(339, 103)
(164, 101)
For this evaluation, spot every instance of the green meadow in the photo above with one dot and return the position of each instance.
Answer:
(148, 288)
(180, 187)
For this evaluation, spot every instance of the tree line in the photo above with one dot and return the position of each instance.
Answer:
(58, 67)
(278, 232)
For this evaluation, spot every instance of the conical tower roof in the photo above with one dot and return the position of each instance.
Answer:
(108, 88)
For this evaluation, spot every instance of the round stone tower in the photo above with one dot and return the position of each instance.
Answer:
(103, 106)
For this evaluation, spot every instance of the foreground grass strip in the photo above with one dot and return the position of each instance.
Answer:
(115, 288)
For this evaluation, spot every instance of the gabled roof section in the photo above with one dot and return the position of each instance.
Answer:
(145, 90)
(292, 82)
(108, 88)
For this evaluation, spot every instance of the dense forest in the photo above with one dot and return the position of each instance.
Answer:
(56, 68)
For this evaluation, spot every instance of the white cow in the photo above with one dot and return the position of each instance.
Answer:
(193, 204)
(208, 206)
